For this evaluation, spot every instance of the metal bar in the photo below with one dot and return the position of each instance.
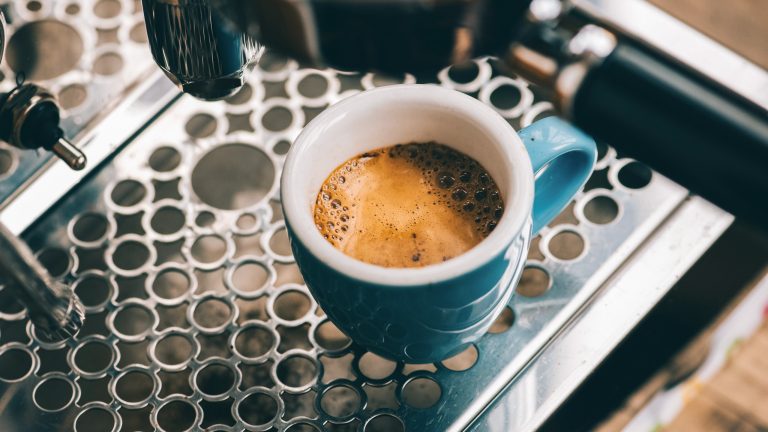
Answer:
(128, 119)
(651, 25)
(623, 301)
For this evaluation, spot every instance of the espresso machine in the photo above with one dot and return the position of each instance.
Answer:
(614, 70)
(705, 137)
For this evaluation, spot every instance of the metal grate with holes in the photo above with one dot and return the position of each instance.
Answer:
(197, 316)
(79, 50)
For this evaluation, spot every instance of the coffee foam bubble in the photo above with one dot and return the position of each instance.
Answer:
(408, 205)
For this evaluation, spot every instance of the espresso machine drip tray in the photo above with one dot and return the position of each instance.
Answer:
(86, 52)
(198, 317)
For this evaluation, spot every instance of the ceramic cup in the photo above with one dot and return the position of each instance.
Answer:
(427, 314)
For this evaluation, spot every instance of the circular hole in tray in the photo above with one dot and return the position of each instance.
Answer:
(272, 61)
(329, 337)
(313, 86)
(463, 360)
(55, 260)
(421, 392)
(503, 322)
(138, 33)
(94, 357)
(601, 210)
(131, 255)
(296, 371)
(165, 159)
(90, 227)
(107, 8)
(247, 221)
(384, 79)
(9, 303)
(168, 220)
(212, 313)
(72, 9)
(43, 50)
(201, 125)
(205, 219)
(282, 147)
(506, 96)
(302, 427)
(209, 248)
(15, 364)
(340, 401)
(133, 320)
(384, 423)
(54, 394)
(463, 73)
(244, 175)
(534, 282)
(277, 119)
(173, 349)
(72, 96)
(279, 243)
(6, 162)
(254, 342)
(215, 379)
(171, 284)
(242, 96)
(108, 63)
(128, 193)
(258, 409)
(376, 367)
(292, 305)
(250, 277)
(93, 290)
(635, 175)
(135, 386)
(176, 416)
(566, 245)
(95, 419)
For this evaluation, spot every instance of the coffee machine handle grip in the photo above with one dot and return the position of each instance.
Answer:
(680, 123)
(562, 158)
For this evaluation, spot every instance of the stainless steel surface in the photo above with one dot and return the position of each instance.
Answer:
(51, 305)
(536, 392)
(196, 312)
(41, 192)
(653, 26)
(86, 52)
(200, 52)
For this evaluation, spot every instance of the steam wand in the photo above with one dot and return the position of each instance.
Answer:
(29, 119)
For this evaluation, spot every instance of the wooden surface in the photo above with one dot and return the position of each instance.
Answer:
(741, 25)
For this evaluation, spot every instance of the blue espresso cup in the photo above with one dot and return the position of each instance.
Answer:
(427, 314)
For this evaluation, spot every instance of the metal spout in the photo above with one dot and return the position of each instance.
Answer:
(196, 48)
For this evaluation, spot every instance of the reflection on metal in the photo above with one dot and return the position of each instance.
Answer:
(536, 392)
(196, 312)
(197, 49)
(85, 52)
(653, 26)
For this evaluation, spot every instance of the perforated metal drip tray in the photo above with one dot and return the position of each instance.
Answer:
(197, 316)
(86, 52)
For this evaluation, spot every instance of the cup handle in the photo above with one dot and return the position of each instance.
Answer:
(562, 157)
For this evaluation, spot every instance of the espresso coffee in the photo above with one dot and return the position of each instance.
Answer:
(408, 205)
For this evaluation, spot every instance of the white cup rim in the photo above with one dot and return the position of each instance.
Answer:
(518, 204)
